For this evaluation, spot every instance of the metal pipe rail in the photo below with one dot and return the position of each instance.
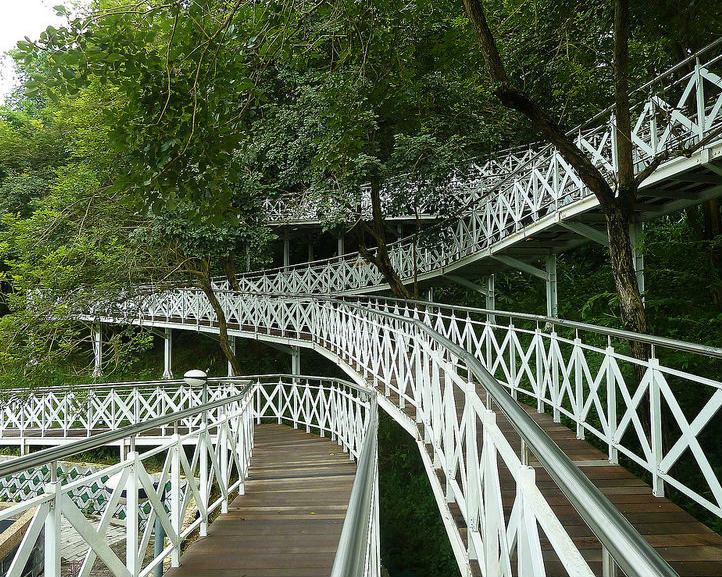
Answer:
(415, 353)
(358, 552)
(217, 468)
(628, 548)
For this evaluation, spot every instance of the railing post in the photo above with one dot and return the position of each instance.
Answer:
(175, 496)
(512, 361)
(611, 406)
(700, 99)
(539, 355)
(204, 488)
(578, 387)
(609, 567)
(53, 525)
(222, 447)
(131, 517)
(472, 470)
(655, 408)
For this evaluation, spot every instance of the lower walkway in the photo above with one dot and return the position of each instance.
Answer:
(289, 521)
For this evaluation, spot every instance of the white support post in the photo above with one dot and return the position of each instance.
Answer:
(490, 297)
(232, 344)
(168, 354)
(175, 499)
(655, 409)
(286, 253)
(203, 484)
(295, 361)
(635, 234)
(131, 517)
(97, 338)
(341, 249)
(53, 530)
(430, 295)
(551, 285)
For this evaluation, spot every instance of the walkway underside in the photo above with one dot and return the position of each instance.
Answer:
(289, 521)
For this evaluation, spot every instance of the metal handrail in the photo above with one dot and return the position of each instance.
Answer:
(95, 441)
(634, 555)
(663, 342)
(350, 557)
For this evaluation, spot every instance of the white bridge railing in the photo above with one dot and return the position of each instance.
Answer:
(44, 415)
(399, 193)
(685, 108)
(453, 370)
(221, 437)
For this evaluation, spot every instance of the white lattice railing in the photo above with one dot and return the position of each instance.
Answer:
(215, 470)
(414, 354)
(684, 108)
(69, 412)
(399, 193)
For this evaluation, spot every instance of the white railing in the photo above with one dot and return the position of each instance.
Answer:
(398, 194)
(433, 365)
(31, 414)
(217, 468)
(685, 108)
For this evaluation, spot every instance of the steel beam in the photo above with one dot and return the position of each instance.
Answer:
(522, 266)
(587, 231)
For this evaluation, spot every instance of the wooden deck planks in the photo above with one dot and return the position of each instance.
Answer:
(289, 521)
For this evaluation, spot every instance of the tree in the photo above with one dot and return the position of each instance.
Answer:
(616, 200)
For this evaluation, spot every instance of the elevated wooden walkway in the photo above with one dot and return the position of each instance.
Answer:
(289, 521)
(689, 546)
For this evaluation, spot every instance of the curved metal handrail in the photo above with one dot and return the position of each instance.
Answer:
(630, 550)
(352, 552)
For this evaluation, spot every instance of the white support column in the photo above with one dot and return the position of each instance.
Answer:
(551, 284)
(295, 360)
(430, 295)
(635, 234)
(340, 247)
(232, 344)
(97, 338)
(490, 297)
(53, 531)
(286, 253)
(168, 354)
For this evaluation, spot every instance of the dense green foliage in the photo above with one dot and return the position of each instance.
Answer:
(145, 137)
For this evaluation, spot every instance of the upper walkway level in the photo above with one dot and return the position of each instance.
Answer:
(535, 204)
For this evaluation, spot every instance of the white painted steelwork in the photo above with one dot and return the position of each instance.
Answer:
(398, 194)
(222, 443)
(413, 353)
(684, 108)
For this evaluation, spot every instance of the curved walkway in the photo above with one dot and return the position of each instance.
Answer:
(289, 521)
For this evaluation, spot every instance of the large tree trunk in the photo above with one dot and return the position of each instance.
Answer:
(634, 316)
(616, 207)
(207, 287)
(380, 259)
